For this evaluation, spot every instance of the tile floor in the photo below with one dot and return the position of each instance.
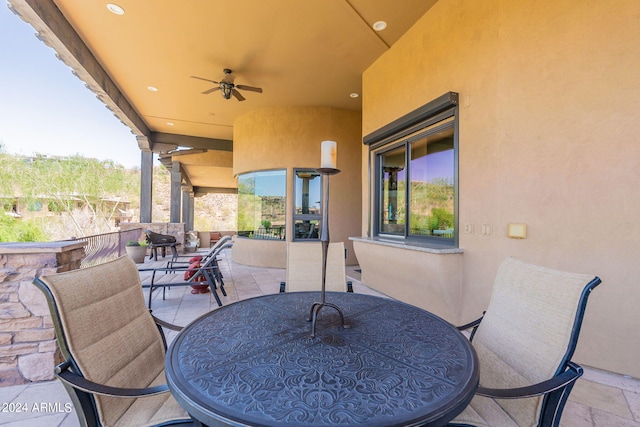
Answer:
(599, 399)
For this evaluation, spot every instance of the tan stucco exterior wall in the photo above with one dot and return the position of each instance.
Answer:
(289, 138)
(549, 136)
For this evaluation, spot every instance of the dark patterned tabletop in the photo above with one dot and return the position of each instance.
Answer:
(254, 363)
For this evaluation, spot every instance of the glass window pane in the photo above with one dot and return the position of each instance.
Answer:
(432, 172)
(262, 204)
(392, 188)
(307, 229)
(307, 197)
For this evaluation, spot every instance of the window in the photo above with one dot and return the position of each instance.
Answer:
(307, 213)
(262, 204)
(415, 177)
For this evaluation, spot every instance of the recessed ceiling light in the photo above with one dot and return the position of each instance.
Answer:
(379, 26)
(114, 8)
(152, 88)
(170, 123)
(354, 95)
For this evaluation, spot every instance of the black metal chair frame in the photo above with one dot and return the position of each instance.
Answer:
(556, 389)
(210, 271)
(175, 261)
(82, 390)
(170, 243)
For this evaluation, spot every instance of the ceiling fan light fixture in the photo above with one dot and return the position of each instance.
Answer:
(152, 88)
(115, 9)
(226, 90)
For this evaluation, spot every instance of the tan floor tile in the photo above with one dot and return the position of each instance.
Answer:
(602, 397)
(576, 415)
(605, 419)
(633, 399)
(615, 380)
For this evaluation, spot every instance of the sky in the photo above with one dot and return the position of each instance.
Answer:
(45, 109)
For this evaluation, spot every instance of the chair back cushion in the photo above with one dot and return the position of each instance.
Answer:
(304, 267)
(108, 329)
(526, 334)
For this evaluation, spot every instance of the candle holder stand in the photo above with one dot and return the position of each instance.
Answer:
(324, 238)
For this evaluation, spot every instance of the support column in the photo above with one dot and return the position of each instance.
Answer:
(187, 207)
(146, 186)
(176, 184)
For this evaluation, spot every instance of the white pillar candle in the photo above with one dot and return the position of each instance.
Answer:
(329, 157)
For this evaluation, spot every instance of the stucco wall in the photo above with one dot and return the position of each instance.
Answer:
(288, 138)
(548, 137)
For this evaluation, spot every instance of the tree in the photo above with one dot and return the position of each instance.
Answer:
(76, 187)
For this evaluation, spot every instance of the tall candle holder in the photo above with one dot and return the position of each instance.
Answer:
(324, 238)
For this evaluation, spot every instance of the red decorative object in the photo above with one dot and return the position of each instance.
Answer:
(197, 289)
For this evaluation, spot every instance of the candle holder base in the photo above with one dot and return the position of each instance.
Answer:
(313, 315)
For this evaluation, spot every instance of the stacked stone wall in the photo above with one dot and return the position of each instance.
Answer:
(27, 338)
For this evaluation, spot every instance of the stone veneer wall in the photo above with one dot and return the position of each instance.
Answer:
(27, 338)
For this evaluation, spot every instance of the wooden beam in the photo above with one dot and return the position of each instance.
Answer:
(201, 191)
(192, 141)
(56, 32)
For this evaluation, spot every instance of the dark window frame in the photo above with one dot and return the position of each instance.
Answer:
(432, 118)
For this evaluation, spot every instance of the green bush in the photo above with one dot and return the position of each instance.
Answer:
(20, 230)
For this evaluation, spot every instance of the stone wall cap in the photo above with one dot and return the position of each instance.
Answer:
(39, 247)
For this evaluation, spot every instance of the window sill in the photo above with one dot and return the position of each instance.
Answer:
(412, 246)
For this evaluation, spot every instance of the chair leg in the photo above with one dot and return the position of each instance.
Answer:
(212, 286)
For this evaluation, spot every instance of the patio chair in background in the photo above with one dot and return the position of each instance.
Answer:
(113, 347)
(179, 260)
(209, 271)
(524, 343)
(161, 241)
(304, 268)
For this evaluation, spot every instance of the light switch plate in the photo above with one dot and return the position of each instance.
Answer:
(517, 231)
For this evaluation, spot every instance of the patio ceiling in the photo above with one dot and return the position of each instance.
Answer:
(299, 52)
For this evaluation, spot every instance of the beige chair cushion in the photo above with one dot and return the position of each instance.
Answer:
(523, 338)
(304, 267)
(114, 339)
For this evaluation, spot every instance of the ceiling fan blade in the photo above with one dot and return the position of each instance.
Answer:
(237, 95)
(250, 88)
(206, 80)
(213, 89)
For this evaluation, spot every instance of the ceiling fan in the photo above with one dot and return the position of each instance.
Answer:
(227, 87)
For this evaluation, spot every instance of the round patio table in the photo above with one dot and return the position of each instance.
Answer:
(254, 363)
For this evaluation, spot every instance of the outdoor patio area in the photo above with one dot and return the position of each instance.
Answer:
(598, 399)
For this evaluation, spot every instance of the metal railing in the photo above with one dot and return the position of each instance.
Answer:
(104, 247)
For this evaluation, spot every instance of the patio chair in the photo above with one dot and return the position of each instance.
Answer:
(203, 258)
(161, 241)
(304, 268)
(113, 348)
(524, 343)
(209, 271)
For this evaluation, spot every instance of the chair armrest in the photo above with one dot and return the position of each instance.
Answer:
(76, 381)
(567, 377)
(167, 325)
(470, 325)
